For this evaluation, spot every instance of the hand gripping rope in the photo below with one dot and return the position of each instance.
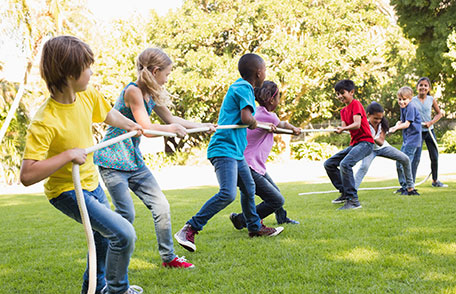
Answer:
(80, 196)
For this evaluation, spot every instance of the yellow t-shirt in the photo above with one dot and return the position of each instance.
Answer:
(58, 127)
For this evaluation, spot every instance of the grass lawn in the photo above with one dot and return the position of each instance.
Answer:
(394, 244)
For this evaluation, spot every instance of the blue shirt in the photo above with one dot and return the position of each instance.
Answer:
(232, 142)
(411, 135)
(425, 109)
(124, 155)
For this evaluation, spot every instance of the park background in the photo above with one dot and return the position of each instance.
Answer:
(308, 46)
(393, 245)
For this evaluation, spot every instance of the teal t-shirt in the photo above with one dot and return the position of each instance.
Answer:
(232, 142)
(124, 155)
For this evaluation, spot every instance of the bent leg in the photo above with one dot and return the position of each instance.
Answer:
(226, 169)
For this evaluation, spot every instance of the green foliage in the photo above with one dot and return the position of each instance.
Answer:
(312, 150)
(342, 140)
(431, 25)
(449, 142)
(13, 143)
(308, 46)
(191, 157)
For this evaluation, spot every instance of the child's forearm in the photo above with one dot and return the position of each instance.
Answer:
(400, 126)
(118, 120)
(34, 171)
(247, 118)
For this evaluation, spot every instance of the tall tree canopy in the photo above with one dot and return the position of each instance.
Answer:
(431, 25)
(307, 44)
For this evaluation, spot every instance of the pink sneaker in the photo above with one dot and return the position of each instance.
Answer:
(186, 237)
(178, 262)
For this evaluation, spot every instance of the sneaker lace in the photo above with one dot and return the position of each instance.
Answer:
(181, 259)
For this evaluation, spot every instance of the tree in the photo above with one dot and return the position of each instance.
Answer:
(308, 46)
(430, 24)
(30, 25)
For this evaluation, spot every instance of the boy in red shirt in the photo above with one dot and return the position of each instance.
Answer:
(354, 119)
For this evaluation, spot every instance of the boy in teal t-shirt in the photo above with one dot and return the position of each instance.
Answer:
(226, 153)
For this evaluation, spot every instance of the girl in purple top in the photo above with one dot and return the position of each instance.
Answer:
(259, 145)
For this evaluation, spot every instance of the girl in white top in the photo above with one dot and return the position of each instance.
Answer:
(379, 126)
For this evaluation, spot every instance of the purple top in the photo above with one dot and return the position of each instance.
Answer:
(260, 141)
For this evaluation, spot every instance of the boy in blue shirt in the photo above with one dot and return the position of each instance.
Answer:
(226, 153)
(410, 124)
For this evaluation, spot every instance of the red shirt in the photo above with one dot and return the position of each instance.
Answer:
(364, 132)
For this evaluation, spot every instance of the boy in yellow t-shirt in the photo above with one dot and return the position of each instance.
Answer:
(56, 138)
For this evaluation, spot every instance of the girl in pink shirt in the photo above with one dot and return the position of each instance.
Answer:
(259, 145)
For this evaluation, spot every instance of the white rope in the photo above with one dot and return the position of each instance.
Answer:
(83, 208)
(364, 189)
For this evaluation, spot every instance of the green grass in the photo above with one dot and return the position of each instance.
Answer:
(394, 244)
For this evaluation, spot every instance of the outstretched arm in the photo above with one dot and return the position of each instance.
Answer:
(166, 115)
(288, 126)
(400, 126)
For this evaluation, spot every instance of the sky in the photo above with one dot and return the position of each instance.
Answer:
(14, 61)
(109, 9)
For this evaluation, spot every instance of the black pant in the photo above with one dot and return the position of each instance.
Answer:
(433, 152)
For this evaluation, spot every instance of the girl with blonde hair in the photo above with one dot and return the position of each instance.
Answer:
(122, 166)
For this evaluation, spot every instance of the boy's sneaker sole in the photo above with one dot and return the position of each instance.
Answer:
(278, 231)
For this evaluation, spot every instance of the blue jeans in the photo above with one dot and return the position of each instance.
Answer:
(413, 154)
(230, 173)
(273, 200)
(114, 238)
(143, 184)
(433, 152)
(387, 152)
(343, 179)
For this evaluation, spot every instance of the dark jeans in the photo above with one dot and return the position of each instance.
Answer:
(273, 200)
(230, 174)
(433, 152)
(343, 179)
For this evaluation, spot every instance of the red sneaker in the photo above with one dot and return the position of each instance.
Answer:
(178, 262)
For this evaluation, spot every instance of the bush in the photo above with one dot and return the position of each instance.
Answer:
(449, 142)
(194, 156)
(312, 150)
(340, 140)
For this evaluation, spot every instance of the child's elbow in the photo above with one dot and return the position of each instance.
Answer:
(25, 179)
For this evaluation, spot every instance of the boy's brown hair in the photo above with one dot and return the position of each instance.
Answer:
(62, 57)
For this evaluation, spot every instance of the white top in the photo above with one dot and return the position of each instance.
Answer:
(377, 135)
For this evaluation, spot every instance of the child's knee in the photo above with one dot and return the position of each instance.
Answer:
(227, 196)
(345, 165)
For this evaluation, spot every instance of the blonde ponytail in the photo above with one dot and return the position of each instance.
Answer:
(147, 61)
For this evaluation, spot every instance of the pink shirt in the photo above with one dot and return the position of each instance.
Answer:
(260, 141)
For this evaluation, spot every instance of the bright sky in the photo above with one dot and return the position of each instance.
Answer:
(14, 61)
(109, 9)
